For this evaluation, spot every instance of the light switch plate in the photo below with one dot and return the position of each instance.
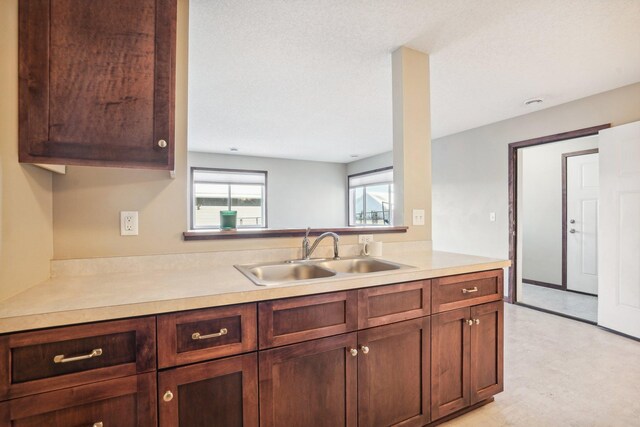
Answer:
(128, 223)
(418, 217)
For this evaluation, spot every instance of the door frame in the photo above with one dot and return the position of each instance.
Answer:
(513, 187)
(564, 210)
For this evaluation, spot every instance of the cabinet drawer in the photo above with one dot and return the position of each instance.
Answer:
(206, 334)
(387, 304)
(35, 362)
(292, 320)
(123, 402)
(465, 290)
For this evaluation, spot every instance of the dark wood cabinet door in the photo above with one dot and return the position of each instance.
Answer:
(393, 374)
(450, 362)
(311, 384)
(123, 402)
(292, 320)
(382, 305)
(487, 350)
(220, 393)
(97, 82)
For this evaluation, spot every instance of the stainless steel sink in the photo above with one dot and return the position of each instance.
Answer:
(285, 272)
(359, 265)
(289, 272)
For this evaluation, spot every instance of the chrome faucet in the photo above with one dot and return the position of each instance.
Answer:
(307, 251)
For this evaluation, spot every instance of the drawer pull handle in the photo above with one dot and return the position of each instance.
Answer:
(61, 359)
(197, 336)
(98, 424)
(468, 291)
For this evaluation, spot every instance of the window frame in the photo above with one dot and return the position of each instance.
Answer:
(349, 212)
(192, 203)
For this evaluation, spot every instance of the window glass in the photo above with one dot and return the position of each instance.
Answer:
(371, 198)
(216, 190)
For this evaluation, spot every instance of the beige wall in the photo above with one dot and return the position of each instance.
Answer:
(26, 238)
(87, 201)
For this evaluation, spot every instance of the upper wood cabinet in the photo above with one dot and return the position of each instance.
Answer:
(97, 82)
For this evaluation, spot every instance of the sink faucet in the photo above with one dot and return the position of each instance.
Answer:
(306, 251)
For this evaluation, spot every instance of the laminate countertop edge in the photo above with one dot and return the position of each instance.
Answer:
(74, 300)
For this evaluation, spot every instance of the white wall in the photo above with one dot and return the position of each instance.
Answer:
(541, 211)
(378, 161)
(299, 193)
(470, 169)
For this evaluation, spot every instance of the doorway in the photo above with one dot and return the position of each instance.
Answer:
(553, 205)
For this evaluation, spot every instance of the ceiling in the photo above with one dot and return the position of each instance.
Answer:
(312, 79)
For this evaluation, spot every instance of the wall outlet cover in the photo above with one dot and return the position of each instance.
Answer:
(365, 238)
(128, 223)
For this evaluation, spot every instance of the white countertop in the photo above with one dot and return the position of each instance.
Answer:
(69, 300)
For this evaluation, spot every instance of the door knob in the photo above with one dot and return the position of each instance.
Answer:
(572, 221)
(572, 231)
(167, 396)
(364, 349)
(353, 351)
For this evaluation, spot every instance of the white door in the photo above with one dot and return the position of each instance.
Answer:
(619, 233)
(582, 223)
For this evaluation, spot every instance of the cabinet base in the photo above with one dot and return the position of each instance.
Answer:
(460, 412)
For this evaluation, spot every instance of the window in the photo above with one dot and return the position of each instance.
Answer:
(215, 190)
(371, 198)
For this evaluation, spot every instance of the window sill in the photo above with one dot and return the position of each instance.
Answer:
(286, 232)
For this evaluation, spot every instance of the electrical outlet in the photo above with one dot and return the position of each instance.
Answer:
(365, 238)
(418, 217)
(492, 216)
(128, 223)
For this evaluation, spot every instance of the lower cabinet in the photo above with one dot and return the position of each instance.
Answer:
(219, 393)
(377, 377)
(310, 384)
(466, 357)
(122, 402)
(393, 374)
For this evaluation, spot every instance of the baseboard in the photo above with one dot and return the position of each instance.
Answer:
(543, 284)
(544, 310)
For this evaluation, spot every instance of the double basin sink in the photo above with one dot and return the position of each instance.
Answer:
(290, 271)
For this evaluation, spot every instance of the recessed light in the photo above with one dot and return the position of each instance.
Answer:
(533, 101)
(233, 149)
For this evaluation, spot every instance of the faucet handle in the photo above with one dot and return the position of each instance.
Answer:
(306, 234)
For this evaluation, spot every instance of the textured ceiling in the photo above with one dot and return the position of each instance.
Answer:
(312, 79)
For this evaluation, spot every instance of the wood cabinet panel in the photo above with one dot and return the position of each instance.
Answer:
(393, 303)
(487, 350)
(97, 82)
(465, 290)
(219, 393)
(393, 374)
(309, 384)
(35, 362)
(450, 362)
(292, 320)
(129, 401)
(222, 331)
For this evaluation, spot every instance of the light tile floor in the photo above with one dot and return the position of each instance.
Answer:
(571, 303)
(561, 372)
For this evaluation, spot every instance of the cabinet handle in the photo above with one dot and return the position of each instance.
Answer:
(197, 336)
(364, 349)
(162, 143)
(476, 321)
(468, 291)
(469, 322)
(167, 396)
(98, 424)
(61, 359)
(353, 351)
